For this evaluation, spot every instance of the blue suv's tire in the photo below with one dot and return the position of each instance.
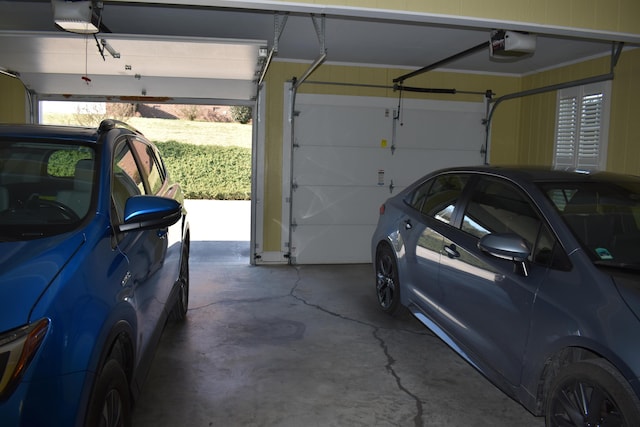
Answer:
(110, 405)
(179, 310)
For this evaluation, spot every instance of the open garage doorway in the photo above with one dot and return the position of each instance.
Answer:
(207, 148)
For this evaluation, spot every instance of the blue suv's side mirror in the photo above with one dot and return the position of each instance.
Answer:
(150, 212)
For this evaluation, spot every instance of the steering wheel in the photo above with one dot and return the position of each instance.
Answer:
(60, 208)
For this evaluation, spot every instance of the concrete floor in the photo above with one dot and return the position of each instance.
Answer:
(302, 346)
(306, 346)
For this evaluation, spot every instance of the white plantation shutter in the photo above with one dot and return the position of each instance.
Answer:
(566, 132)
(590, 123)
(582, 127)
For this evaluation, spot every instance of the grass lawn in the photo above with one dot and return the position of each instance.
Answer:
(211, 160)
(191, 132)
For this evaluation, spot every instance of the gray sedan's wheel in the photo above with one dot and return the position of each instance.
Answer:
(591, 393)
(110, 405)
(387, 283)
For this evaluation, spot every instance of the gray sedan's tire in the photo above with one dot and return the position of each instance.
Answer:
(387, 282)
(591, 392)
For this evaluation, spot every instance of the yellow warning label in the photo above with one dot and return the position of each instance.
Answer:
(383, 143)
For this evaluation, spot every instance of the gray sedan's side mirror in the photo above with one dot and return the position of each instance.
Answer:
(150, 212)
(507, 246)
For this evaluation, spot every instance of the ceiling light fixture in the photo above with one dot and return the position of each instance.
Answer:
(511, 44)
(80, 17)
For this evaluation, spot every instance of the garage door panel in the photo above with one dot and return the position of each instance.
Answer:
(336, 245)
(342, 125)
(440, 130)
(410, 165)
(338, 165)
(344, 168)
(331, 205)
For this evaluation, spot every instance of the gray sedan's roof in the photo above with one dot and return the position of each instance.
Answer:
(537, 174)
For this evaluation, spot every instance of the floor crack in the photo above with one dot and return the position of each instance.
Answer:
(418, 421)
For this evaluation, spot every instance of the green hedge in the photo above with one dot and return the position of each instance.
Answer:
(209, 171)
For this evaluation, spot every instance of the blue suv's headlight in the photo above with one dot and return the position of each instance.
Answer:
(17, 348)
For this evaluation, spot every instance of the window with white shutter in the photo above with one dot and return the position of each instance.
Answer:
(582, 123)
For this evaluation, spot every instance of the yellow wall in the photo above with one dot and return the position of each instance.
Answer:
(621, 16)
(12, 102)
(537, 113)
(624, 126)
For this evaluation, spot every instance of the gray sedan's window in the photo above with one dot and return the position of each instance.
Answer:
(499, 207)
(603, 215)
(437, 197)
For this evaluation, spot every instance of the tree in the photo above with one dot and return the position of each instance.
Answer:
(241, 114)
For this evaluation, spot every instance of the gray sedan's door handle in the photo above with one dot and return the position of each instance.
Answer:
(451, 251)
(407, 224)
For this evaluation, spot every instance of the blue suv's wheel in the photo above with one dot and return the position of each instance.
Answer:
(110, 405)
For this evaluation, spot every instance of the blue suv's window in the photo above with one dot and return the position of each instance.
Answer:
(126, 180)
(149, 165)
(45, 187)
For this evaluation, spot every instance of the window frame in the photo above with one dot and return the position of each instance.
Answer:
(570, 136)
(141, 148)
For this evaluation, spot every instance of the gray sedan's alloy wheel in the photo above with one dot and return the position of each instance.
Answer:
(387, 283)
(591, 393)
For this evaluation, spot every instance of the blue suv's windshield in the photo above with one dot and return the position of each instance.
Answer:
(45, 187)
(604, 216)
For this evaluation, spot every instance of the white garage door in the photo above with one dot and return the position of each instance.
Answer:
(348, 157)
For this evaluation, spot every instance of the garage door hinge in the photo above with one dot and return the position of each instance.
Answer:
(294, 186)
(294, 225)
(296, 113)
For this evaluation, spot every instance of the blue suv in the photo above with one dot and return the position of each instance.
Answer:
(94, 257)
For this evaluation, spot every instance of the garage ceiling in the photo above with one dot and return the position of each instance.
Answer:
(199, 51)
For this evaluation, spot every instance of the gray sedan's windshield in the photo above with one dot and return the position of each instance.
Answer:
(603, 215)
(45, 188)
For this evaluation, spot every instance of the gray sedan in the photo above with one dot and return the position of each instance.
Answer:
(531, 275)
